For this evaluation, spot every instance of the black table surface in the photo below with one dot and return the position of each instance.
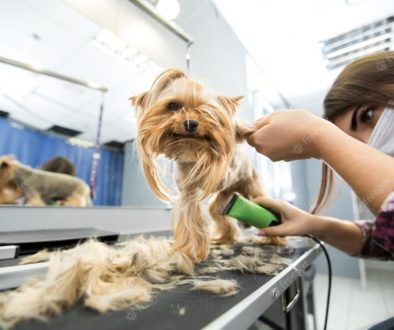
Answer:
(179, 308)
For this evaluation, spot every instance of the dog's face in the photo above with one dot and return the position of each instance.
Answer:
(180, 119)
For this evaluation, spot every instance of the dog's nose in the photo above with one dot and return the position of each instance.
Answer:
(190, 125)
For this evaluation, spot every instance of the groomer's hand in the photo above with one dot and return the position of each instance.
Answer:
(295, 222)
(344, 235)
(289, 135)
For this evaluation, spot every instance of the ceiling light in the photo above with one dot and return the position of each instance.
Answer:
(119, 48)
(118, 45)
(104, 36)
(130, 52)
(81, 143)
(353, 2)
(141, 59)
(169, 9)
(108, 39)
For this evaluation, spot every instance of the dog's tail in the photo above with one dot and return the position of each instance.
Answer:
(243, 131)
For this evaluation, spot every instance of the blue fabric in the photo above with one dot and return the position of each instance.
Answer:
(34, 148)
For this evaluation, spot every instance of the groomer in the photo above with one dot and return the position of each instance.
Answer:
(356, 140)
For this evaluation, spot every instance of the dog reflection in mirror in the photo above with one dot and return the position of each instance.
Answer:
(182, 120)
(19, 182)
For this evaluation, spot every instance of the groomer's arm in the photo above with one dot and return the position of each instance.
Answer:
(298, 134)
(368, 171)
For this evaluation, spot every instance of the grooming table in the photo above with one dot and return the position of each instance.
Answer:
(182, 308)
(32, 241)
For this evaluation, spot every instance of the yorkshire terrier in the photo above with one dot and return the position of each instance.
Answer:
(36, 187)
(182, 120)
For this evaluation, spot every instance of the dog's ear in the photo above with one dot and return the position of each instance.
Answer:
(161, 82)
(230, 103)
(139, 101)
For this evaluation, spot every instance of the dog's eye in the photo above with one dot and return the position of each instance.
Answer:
(174, 106)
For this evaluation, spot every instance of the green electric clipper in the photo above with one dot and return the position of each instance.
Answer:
(251, 213)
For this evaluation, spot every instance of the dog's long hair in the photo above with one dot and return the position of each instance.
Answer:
(180, 119)
(208, 154)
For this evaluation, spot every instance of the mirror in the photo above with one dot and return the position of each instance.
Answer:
(55, 117)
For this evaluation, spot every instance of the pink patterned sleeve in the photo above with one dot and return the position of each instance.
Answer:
(379, 233)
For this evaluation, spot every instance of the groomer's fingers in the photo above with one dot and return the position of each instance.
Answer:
(276, 205)
(279, 230)
(251, 139)
(255, 126)
(261, 122)
(294, 221)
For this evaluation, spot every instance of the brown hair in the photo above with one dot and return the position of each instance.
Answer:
(366, 81)
(59, 165)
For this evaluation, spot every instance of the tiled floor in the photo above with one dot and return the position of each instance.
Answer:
(354, 308)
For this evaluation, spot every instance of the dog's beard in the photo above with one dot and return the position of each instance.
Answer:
(188, 149)
(203, 159)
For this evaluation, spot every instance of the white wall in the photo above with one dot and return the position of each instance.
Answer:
(217, 57)
(340, 207)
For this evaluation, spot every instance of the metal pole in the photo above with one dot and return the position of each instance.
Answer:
(96, 153)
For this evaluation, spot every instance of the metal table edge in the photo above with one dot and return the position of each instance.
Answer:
(14, 276)
(243, 314)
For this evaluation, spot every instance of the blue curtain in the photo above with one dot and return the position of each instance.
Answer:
(34, 148)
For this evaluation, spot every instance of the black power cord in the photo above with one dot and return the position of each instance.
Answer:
(329, 277)
(270, 323)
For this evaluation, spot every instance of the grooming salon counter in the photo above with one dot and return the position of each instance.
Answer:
(280, 301)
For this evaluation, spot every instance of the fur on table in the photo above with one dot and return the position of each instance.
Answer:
(127, 275)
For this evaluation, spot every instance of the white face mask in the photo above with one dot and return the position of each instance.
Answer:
(382, 137)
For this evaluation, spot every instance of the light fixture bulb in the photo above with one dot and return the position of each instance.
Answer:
(353, 2)
(169, 9)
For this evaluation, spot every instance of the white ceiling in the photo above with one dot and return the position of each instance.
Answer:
(65, 46)
(283, 35)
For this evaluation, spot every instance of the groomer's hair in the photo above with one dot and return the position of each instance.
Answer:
(59, 165)
(368, 81)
